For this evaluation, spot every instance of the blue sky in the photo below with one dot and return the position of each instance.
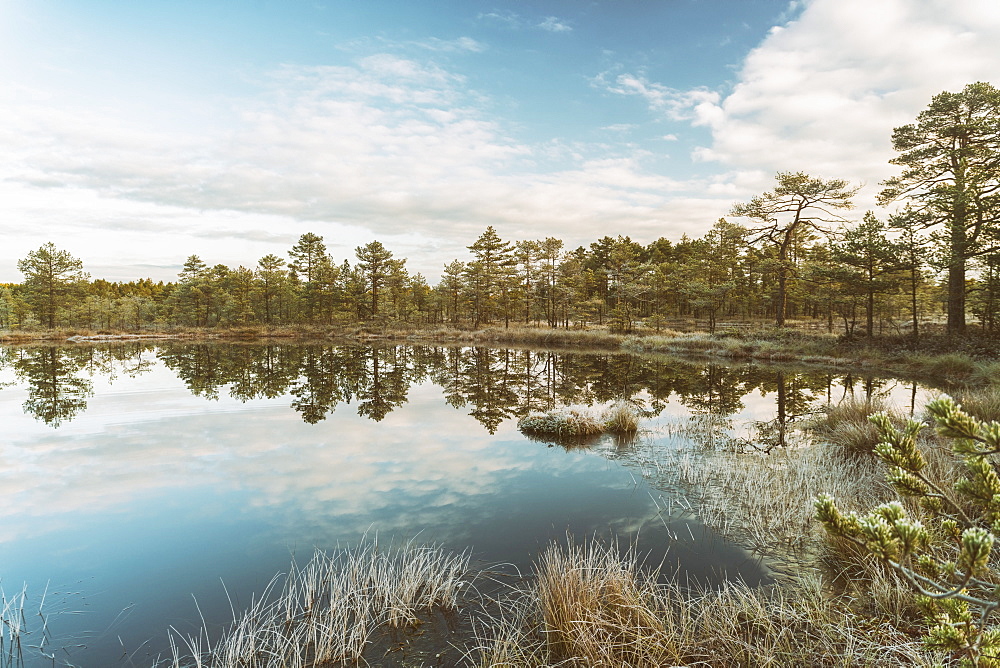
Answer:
(134, 134)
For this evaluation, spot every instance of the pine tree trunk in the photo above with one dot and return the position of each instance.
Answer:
(956, 297)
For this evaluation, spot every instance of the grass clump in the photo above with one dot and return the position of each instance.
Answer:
(622, 417)
(846, 425)
(565, 422)
(573, 422)
(593, 606)
(326, 612)
(982, 404)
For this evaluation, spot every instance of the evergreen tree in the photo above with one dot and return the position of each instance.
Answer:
(866, 260)
(52, 279)
(307, 257)
(271, 284)
(451, 288)
(375, 266)
(781, 217)
(912, 249)
(951, 175)
(488, 276)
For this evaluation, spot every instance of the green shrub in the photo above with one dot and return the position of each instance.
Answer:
(942, 544)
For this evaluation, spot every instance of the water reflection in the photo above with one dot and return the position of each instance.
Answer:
(140, 474)
(492, 385)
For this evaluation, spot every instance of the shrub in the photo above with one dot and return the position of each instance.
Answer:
(941, 546)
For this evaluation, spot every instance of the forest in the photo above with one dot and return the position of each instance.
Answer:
(796, 252)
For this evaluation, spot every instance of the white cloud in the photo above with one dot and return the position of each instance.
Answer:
(389, 148)
(515, 21)
(451, 45)
(700, 106)
(620, 127)
(552, 24)
(510, 19)
(823, 93)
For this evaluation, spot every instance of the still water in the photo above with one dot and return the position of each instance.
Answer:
(138, 479)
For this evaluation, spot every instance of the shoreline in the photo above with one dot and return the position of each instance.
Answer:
(971, 361)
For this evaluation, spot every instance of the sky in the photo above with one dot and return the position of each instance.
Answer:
(136, 134)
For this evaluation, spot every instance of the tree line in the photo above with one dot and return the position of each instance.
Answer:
(792, 252)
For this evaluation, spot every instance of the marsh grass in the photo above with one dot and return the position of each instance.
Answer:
(948, 366)
(846, 425)
(764, 501)
(621, 417)
(327, 611)
(12, 627)
(562, 423)
(981, 403)
(580, 422)
(592, 606)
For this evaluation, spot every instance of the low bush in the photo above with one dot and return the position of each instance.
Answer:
(940, 542)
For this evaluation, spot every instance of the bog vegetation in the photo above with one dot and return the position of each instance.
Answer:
(796, 251)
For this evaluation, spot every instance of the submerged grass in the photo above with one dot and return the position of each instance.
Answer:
(12, 628)
(764, 501)
(327, 611)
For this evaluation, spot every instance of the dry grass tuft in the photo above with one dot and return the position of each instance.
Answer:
(598, 610)
(847, 426)
(982, 404)
(579, 422)
(326, 611)
(621, 417)
(593, 607)
(568, 422)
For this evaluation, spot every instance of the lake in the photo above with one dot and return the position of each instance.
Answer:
(141, 478)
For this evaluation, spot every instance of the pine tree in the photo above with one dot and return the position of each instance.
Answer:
(52, 278)
(782, 217)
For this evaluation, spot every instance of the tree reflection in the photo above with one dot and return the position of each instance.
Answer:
(492, 385)
(384, 381)
(55, 391)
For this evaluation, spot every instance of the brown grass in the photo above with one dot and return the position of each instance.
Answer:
(594, 607)
(846, 425)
